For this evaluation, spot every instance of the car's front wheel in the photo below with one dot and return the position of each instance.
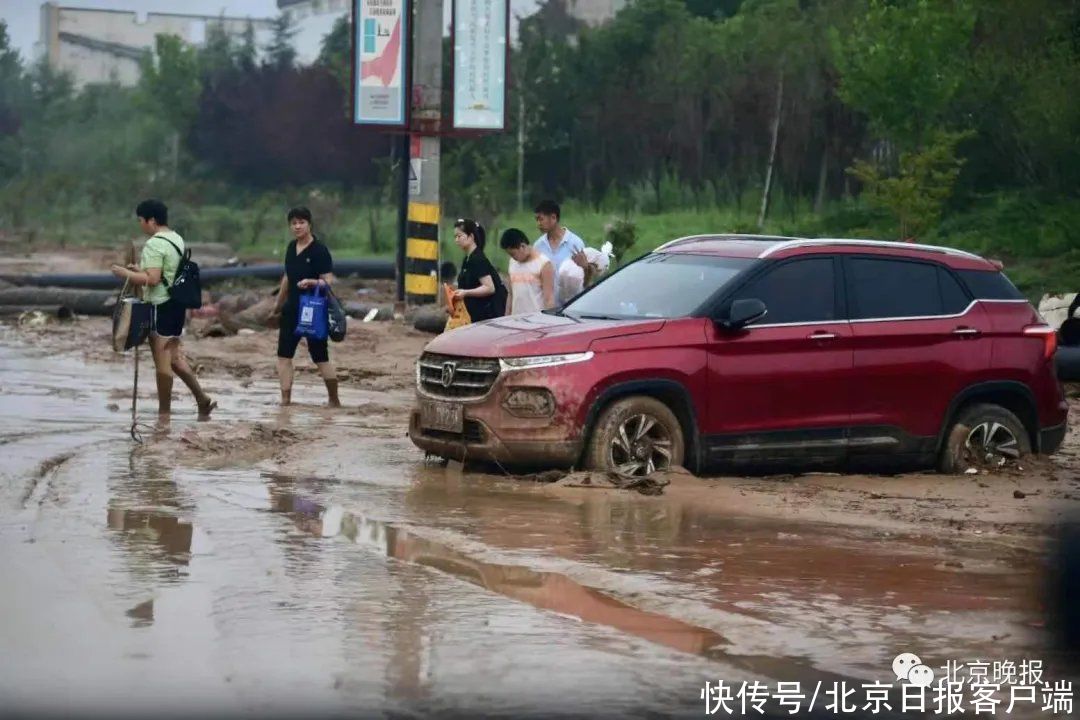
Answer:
(984, 436)
(636, 436)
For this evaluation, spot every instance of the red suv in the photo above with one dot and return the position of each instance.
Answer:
(755, 353)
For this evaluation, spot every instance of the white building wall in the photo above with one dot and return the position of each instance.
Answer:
(594, 12)
(97, 46)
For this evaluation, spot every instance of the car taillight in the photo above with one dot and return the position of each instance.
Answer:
(1049, 338)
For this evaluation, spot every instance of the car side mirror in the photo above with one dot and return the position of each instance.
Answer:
(743, 312)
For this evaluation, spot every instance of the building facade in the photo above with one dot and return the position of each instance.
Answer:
(100, 46)
(594, 12)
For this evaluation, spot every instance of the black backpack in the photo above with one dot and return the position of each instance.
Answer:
(186, 290)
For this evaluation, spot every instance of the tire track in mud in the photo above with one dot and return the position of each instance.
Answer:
(20, 437)
(44, 472)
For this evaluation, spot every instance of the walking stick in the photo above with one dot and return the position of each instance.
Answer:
(135, 434)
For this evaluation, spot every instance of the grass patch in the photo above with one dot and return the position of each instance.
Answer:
(1037, 238)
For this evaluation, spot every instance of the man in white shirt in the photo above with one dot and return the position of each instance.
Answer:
(557, 243)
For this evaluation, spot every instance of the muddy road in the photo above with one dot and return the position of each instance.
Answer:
(281, 561)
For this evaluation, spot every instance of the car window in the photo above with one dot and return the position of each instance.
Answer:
(796, 292)
(661, 285)
(990, 285)
(954, 299)
(883, 288)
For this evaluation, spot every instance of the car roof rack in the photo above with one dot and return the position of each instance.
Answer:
(736, 237)
(809, 242)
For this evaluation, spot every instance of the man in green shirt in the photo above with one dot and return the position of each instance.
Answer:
(156, 271)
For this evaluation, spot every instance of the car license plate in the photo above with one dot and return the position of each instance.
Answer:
(449, 417)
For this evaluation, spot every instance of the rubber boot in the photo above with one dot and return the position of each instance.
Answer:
(331, 390)
(164, 393)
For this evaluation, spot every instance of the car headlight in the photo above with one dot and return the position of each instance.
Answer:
(539, 361)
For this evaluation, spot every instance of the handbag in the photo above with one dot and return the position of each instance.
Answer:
(312, 321)
(337, 318)
(132, 320)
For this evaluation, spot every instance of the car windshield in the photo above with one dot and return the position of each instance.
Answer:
(661, 285)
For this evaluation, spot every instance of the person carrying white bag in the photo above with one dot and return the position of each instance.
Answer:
(572, 279)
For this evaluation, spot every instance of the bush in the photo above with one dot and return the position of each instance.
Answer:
(622, 234)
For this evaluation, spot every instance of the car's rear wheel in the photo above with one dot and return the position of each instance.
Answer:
(636, 436)
(984, 436)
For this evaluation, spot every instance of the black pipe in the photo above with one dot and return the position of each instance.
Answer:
(366, 269)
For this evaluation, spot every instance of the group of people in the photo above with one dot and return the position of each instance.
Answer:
(543, 275)
(308, 264)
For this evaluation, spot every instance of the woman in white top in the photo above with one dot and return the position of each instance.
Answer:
(532, 276)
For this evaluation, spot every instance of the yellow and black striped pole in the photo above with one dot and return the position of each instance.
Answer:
(422, 254)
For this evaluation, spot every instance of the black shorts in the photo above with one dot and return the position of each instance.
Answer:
(288, 340)
(169, 319)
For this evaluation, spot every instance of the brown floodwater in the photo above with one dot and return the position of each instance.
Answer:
(134, 583)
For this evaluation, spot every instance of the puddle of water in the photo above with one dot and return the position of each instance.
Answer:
(544, 590)
(833, 598)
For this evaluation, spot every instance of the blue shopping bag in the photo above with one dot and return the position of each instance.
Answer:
(311, 321)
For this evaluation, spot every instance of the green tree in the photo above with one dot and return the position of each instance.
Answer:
(917, 194)
(280, 53)
(336, 51)
(218, 54)
(904, 62)
(14, 93)
(247, 52)
(169, 84)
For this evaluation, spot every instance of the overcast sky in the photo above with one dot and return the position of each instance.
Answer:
(23, 16)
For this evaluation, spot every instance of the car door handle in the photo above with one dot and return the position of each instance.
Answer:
(967, 331)
(821, 335)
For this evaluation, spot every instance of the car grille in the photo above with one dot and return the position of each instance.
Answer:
(472, 377)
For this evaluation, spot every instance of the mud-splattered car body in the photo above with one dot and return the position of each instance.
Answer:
(745, 382)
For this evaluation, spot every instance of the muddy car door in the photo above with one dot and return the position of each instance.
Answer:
(778, 391)
(919, 340)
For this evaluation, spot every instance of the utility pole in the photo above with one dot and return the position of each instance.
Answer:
(421, 237)
(521, 152)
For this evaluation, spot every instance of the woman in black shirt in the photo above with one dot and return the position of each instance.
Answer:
(307, 264)
(478, 282)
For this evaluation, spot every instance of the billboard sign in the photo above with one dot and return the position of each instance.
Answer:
(480, 37)
(380, 62)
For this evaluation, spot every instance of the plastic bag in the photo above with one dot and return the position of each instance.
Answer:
(336, 318)
(459, 315)
(312, 319)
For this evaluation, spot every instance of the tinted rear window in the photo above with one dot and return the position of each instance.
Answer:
(990, 285)
(893, 289)
(953, 297)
